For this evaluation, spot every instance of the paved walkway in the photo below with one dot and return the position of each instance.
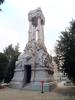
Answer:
(60, 93)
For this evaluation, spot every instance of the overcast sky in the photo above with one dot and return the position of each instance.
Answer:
(14, 20)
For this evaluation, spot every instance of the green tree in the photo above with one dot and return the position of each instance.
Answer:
(65, 51)
(9, 52)
(17, 49)
(12, 55)
(1, 1)
(3, 66)
(10, 71)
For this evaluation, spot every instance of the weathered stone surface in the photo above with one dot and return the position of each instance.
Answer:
(36, 14)
(35, 55)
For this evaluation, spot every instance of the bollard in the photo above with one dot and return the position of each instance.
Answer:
(42, 83)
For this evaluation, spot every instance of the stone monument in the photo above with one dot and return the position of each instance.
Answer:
(34, 64)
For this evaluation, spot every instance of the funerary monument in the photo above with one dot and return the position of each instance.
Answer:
(34, 64)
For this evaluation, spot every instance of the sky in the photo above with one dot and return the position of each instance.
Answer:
(14, 21)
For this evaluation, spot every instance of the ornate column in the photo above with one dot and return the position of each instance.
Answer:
(33, 33)
(42, 33)
(30, 31)
(40, 30)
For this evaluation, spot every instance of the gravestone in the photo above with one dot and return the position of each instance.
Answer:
(34, 64)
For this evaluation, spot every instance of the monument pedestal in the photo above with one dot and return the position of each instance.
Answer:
(18, 79)
(36, 86)
(41, 74)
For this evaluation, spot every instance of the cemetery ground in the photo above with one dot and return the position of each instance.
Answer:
(59, 93)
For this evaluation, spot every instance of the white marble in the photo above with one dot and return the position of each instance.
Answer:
(35, 54)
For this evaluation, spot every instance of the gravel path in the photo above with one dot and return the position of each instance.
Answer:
(65, 93)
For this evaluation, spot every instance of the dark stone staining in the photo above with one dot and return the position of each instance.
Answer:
(42, 22)
(34, 21)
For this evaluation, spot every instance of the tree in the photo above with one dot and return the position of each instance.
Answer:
(3, 66)
(61, 47)
(17, 49)
(9, 52)
(12, 55)
(11, 68)
(65, 51)
(1, 1)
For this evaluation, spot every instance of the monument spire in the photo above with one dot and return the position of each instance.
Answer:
(37, 19)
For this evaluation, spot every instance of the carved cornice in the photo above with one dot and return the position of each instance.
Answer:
(38, 14)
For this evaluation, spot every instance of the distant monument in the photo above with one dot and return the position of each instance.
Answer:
(34, 64)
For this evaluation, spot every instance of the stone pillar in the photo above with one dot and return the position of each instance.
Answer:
(30, 31)
(33, 54)
(40, 32)
(33, 33)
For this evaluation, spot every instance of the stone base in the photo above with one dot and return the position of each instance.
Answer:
(34, 86)
(41, 74)
(17, 85)
(37, 86)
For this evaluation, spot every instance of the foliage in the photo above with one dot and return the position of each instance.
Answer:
(10, 51)
(65, 51)
(3, 66)
(10, 72)
(1, 1)
(12, 55)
